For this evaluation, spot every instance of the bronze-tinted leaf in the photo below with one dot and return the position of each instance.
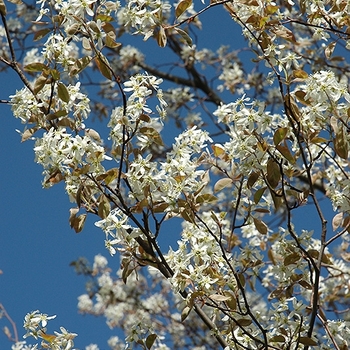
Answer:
(77, 222)
(277, 199)
(273, 173)
(253, 177)
(185, 312)
(63, 93)
(40, 83)
(110, 42)
(278, 339)
(337, 221)
(218, 150)
(292, 108)
(284, 150)
(182, 6)
(80, 65)
(73, 28)
(291, 259)
(300, 95)
(206, 198)
(222, 183)
(243, 322)
(3, 8)
(329, 50)
(219, 297)
(341, 145)
(307, 341)
(41, 33)
(104, 207)
(184, 36)
(258, 194)
(260, 226)
(150, 340)
(28, 133)
(279, 135)
(188, 215)
(161, 37)
(300, 74)
(102, 66)
(35, 67)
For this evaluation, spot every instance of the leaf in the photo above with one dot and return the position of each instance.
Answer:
(126, 273)
(258, 194)
(28, 133)
(231, 302)
(47, 337)
(279, 135)
(206, 198)
(262, 210)
(56, 115)
(260, 226)
(80, 65)
(182, 7)
(73, 29)
(3, 8)
(185, 312)
(273, 173)
(102, 66)
(285, 33)
(307, 341)
(152, 134)
(62, 92)
(78, 223)
(300, 95)
(159, 207)
(219, 297)
(291, 259)
(243, 322)
(329, 50)
(300, 74)
(188, 215)
(110, 42)
(222, 183)
(341, 145)
(218, 150)
(55, 74)
(161, 37)
(271, 9)
(184, 36)
(318, 139)
(41, 33)
(35, 67)
(112, 174)
(150, 340)
(292, 108)
(271, 256)
(305, 284)
(284, 150)
(277, 199)
(277, 339)
(253, 177)
(40, 83)
(337, 221)
(104, 207)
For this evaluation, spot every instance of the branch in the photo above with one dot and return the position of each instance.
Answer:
(13, 324)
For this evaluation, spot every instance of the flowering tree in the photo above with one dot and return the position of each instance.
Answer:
(257, 143)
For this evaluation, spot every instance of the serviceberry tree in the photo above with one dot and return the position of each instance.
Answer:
(262, 134)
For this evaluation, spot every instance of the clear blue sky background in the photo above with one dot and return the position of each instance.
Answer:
(36, 242)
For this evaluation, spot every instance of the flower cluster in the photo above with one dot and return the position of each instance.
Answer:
(35, 324)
